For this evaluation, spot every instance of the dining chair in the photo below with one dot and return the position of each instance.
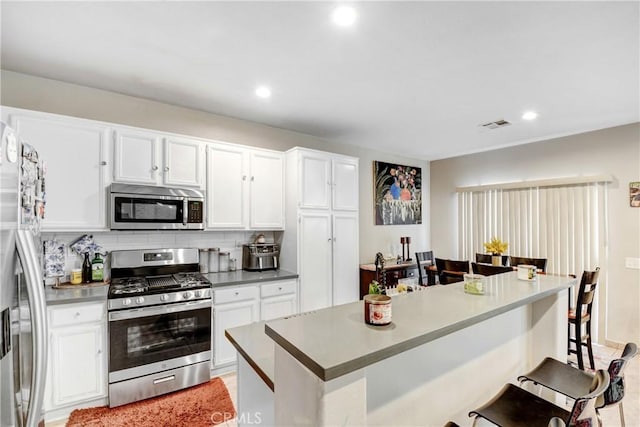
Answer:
(516, 407)
(581, 315)
(486, 259)
(489, 270)
(451, 271)
(571, 382)
(424, 259)
(540, 263)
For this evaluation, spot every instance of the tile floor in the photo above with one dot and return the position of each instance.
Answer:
(603, 355)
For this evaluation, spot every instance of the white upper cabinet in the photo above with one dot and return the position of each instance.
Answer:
(142, 157)
(183, 162)
(267, 190)
(226, 178)
(315, 188)
(245, 188)
(345, 184)
(76, 155)
(328, 181)
(136, 157)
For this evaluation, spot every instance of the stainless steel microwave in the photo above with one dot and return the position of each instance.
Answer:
(143, 207)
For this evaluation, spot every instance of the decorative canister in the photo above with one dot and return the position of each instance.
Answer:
(214, 262)
(76, 276)
(527, 272)
(204, 260)
(377, 309)
(223, 261)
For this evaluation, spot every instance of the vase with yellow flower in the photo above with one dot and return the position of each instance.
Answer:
(496, 248)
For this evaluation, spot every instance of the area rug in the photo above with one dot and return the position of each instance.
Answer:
(199, 406)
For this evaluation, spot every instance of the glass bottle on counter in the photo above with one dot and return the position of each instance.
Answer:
(97, 268)
(86, 269)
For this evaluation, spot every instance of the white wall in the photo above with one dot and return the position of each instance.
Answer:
(34, 93)
(614, 151)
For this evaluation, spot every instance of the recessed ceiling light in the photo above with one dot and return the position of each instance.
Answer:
(344, 16)
(263, 92)
(530, 115)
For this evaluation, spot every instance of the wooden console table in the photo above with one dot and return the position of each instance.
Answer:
(393, 272)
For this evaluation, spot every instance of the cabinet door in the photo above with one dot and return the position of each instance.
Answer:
(280, 306)
(78, 364)
(227, 316)
(345, 185)
(136, 157)
(226, 178)
(76, 155)
(315, 185)
(183, 162)
(345, 258)
(315, 261)
(267, 190)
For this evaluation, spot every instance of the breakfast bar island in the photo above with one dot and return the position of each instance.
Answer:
(444, 353)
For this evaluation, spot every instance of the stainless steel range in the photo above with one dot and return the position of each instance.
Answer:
(159, 323)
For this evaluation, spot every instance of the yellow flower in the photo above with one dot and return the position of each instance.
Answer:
(495, 246)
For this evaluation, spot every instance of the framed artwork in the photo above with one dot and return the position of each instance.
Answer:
(397, 192)
(634, 194)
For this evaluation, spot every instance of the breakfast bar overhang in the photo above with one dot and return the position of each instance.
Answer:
(444, 353)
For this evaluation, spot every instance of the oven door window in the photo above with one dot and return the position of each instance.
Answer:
(148, 210)
(143, 340)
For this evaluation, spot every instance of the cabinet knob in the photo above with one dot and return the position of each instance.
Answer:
(103, 163)
(99, 351)
(77, 314)
(155, 168)
(237, 293)
(244, 177)
(329, 239)
(166, 168)
(253, 178)
(280, 288)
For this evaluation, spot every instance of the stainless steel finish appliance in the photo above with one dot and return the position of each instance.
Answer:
(260, 256)
(23, 328)
(159, 323)
(142, 207)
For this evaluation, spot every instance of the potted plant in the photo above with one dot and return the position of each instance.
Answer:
(374, 287)
(496, 248)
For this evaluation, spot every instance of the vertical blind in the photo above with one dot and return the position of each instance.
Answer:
(565, 224)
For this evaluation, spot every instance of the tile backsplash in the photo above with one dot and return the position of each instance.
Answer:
(227, 241)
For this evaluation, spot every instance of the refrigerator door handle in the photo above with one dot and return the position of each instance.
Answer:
(35, 289)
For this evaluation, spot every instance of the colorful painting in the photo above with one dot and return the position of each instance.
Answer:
(634, 194)
(398, 194)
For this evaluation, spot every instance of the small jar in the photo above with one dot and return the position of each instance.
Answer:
(223, 261)
(232, 264)
(76, 276)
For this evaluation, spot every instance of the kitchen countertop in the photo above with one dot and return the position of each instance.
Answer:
(99, 293)
(80, 294)
(256, 348)
(336, 341)
(241, 277)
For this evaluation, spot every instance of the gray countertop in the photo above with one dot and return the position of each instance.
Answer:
(256, 348)
(241, 277)
(99, 293)
(335, 341)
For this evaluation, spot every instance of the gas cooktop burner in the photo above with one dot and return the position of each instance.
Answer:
(156, 284)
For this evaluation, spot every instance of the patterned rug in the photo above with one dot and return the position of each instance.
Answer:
(203, 405)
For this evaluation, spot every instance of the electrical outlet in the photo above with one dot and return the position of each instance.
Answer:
(632, 263)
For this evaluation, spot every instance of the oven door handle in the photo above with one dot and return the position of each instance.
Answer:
(158, 310)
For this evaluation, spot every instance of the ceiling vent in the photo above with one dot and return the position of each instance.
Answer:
(496, 124)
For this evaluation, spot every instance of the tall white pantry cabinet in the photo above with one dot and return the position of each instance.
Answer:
(321, 242)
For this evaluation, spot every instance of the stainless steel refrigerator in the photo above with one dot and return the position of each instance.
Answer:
(23, 338)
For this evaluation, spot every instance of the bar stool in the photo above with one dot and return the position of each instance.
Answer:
(581, 315)
(421, 257)
(516, 407)
(451, 271)
(571, 382)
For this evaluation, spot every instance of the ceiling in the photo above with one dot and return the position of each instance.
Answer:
(413, 78)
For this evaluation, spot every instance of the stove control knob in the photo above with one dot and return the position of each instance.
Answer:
(197, 294)
(164, 297)
(140, 300)
(126, 301)
(187, 294)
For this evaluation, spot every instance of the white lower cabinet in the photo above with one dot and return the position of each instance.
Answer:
(279, 299)
(232, 306)
(240, 305)
(77, 362)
